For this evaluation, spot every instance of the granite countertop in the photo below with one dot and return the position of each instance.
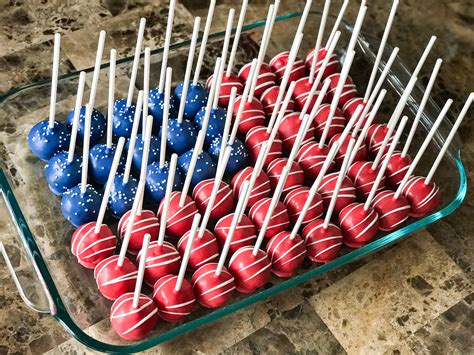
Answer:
(414, 297)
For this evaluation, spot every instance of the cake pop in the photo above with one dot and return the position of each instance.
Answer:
(268, 101)
(134, 315)
(295, 200)
(260, 190)
(173, 294)
(49, 137)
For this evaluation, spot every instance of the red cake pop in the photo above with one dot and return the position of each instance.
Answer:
(295, 178)
(279, 63)
(322, 244)
(280, 219)
(302, 93)
(288, 130)
(311, 158)
(250, 271)
(180, 216)
(266, 77)
(286, 253)
(224, 201)
(363, 174)
(392, 211)
(347, 193)
(173, 295)
(423, 197)
(227, 84)
(113, 280)
(144, 223)
(351, 105)
(337, 124)
(396, 169)
(261, 188)
(333, 66)
(375, 137)
(349, 90)
(245, 232)
(295, 201)
(252, 115)
(205, 249)
(269, 98)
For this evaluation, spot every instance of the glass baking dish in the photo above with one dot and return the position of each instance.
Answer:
(62, 288)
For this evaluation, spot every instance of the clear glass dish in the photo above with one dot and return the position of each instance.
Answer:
(61, 287)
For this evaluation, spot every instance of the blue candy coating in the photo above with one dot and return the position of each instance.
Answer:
(98, 125)
(62, 175)
(100, 162)
(122, 195)
(156, 105)
(80, 208)
(181, 137)
(157, 179)
(44, 142)
(196, 98)
(123, 119)
(216, 123)
(238, 156)
(205, 167)
(154, 154)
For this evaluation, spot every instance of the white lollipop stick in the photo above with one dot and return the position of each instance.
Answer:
(166, 48)
(349, 126)
(215, 190)
(239, 210)
(146, 147)
(314, 189)
(110, 182)
(271, 208)
(54, 83)
(389, 154)
(359, 124)
(133, 138)
(394, 119)
(166, 203)
(321, 97)
(210, 98)
(85, 149)
(192, 165)
(146, 84)
(95, 76)
(316, 82)
(272, 23)
(357, 26)
(304, 16)
(136, 60)
(111, 98)
(228, 123)
(187, 252)
(131, 220)
(225, 48)
(273, 126)
(77, 112)
(340, 85)
(299, 139)
(424, 56)
(423, 147)
(338, 22)
(383, 42)
(235, 42)
(421, 108)
(340, 178)
(202, 49)
(319, 38)
(166, 113)
(141, 270)
(450, 137)
(284, 81)
(189, 68)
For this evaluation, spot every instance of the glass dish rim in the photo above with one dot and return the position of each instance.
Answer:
(57, 306)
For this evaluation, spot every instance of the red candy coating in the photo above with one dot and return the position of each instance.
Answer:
(266, 77)
(252, 115)
(256, 136)
(260, 189)
(91, 248)
(375, 136)
(423, 198)
(146, 222)
(341, 153)
(363, 177)
(205, 249)
(337, 124)
(227, 84)
(180, 219)
(279, 221)
(250, 271)
(332, 67)
(133, 323)
(396, 168)
(295, 176)
(279, 63)
(301, 92)
(322, 244)
(112, 280)
(245, 233)
(350, 108)
(347, 193)
(295, 202)
(269, 98)
(358, 226)
(173, 305)
(212, 290)
(285, 254)
(224, 200)
(288, 130)
(392, 212)
(311, 159)
(349, 90)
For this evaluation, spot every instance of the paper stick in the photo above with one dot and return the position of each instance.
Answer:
(166, 203)
(166, 114)
(304, 16)
(349, 126)
(95, 75)
(210, 98)
(340, 178)
(421, 108)
(357, 26)
(192, 165)
(146, 85)
(54, 77)
(136, 60)
(302, 131)
(319, 38)
(146, 147)
(338, 22)
(450, 137)
(111, 98)
(141, 270)
(273, 126)
(133, 138)
(110, 182)
(383, 42)
(187, 252)
(85, 148)
(189, 68)
(235, 42)
(166, 47)
(359, 124)
(77, 112)
(202, 49)
(423, 147)
(424, 56)
(228, 123)
(270, 29)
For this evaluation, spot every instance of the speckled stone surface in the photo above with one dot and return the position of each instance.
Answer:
(414, 297)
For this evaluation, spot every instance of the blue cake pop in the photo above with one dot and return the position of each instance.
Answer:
(181, 136)
(44, 142)
(100, 162)
(123, 118)
(154, 154)
(98, 124)
(62, 175)
(196, 98)
(80, 208)
(205, 167)
(156, 104)
(122, 195)
(216, 123)
(238, 156)
(156, 180)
